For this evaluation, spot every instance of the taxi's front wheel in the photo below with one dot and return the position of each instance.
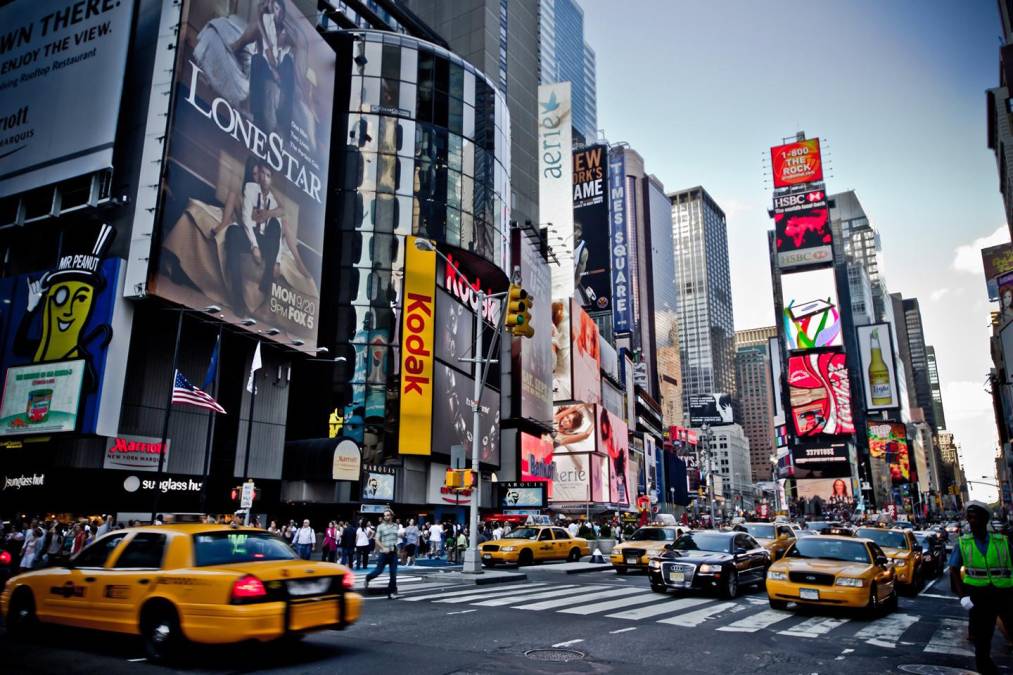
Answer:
(161, 632)
(21, 618)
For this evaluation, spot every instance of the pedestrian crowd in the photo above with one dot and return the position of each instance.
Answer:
(41, 542)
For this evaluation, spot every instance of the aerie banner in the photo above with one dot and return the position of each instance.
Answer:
(417, 339)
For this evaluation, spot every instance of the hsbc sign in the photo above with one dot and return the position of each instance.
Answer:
(800, 200)
(807, 256)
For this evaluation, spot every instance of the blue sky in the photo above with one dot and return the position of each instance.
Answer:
(896, 90)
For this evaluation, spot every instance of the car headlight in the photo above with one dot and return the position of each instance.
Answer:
(508, 549)
(847, 581)
(654, 564)
(777, 576)
(710, 569)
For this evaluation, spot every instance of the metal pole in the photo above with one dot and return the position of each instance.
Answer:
(211, 427)
(710, 471)
(168, 411)
(472, 560)
(249, 438)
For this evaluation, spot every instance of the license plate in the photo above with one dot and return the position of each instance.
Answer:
(300, 587)
(809, 594)
(676, 577)
(631, 560)
(487, 556)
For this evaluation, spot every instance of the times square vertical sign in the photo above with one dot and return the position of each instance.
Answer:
(621, 311)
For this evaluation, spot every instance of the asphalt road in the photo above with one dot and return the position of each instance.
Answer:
(606, 623)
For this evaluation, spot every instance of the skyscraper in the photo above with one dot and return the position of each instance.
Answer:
(1000, 133)
(664, 302)
(859, 242)
(920, 362)
(934, 388)
(565, 57)
(755, 390)
(703, 281)
(500, 38)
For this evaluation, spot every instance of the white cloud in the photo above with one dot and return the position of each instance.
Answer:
(938, 294)
(967, 257)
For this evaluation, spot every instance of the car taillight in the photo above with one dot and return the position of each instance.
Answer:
(348, 581)
(5, 558)
(248, 589)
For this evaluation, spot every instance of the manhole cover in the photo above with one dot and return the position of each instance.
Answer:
(920, 669)
(555, 655)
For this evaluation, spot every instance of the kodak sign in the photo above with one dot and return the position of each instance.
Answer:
(415, 430)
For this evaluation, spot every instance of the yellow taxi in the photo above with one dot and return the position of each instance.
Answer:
(834, 571)
(645, 543)
(177, 583)
(775, 537)
(903, 549)
(531, 544)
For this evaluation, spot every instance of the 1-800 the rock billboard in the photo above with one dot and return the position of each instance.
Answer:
(242, 219)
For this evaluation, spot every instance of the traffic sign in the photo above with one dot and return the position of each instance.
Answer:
(247, 499)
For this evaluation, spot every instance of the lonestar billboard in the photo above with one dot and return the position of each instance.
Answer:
(796, 163)
(417, 339)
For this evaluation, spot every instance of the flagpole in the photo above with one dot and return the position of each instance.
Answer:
(249, 423)
(168, 411)
(211, 426)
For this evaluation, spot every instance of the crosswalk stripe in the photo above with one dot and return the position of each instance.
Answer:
(949, 639)
(814, 627)
(518, 595)
(694, 619)
(538, 594)
(493, 590)
(414, 588)
(563, 602)
(664, 608)
(886, 631)
(759, 621)
(613, 604)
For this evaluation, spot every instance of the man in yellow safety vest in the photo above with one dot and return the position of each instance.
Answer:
(981, 573)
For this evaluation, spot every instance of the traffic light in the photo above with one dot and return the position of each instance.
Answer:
(518, 312)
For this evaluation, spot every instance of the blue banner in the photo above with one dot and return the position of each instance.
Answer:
(621, 285)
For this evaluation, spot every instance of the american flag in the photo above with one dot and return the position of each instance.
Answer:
(185, 393)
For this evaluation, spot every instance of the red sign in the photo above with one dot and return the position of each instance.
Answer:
(796, 163)
(536, 460)
(465, 290)
(683, 435)
(820, 394)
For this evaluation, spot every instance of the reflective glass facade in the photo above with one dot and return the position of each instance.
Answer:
(706, 324)
(565, 57)
(426, 153)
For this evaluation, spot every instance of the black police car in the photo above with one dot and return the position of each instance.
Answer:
(709, 559)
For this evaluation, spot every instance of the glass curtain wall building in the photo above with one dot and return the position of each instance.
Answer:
(703, 280)
(664, 303)
(426, 152)
(565, 57)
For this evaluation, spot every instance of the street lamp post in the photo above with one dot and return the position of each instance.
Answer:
(472, 560)
(710, 469)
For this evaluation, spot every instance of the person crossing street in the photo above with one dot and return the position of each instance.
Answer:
(981, 573)
(386, 547)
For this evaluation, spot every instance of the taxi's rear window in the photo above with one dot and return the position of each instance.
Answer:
(224, 548)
